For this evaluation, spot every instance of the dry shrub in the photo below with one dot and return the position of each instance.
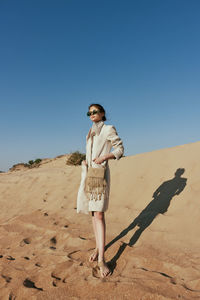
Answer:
(76, 158)
(31, 164)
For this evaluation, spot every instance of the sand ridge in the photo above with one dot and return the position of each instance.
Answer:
(152, 230)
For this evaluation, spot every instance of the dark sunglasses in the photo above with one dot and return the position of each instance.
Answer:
(94, 112)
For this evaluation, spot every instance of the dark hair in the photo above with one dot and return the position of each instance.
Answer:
(100, 108)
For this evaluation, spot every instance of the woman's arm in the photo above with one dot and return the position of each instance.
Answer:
(101, 159)
(116, 143)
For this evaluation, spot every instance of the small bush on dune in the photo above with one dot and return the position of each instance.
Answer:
(34, 163)
(76, 158)
(37, 161)
(30, 164)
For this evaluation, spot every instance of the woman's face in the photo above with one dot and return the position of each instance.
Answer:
(96, 117)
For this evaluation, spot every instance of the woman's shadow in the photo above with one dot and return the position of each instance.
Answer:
(159, 205)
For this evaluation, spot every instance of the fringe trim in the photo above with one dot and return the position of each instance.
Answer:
(95, 187)
(95, 197)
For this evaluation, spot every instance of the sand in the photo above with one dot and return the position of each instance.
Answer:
(153, 245)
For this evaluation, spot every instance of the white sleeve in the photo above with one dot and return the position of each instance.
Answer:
(116, 143)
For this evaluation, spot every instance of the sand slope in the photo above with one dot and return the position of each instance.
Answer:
(153, 230)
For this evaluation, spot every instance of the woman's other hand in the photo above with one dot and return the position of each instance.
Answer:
(84, 163)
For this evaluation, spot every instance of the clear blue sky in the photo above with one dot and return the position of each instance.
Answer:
(140, 59)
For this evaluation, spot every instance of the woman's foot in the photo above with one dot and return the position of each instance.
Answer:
(94, 255)
(104, 270)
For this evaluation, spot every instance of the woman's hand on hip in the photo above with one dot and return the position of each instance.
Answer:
(99, 160)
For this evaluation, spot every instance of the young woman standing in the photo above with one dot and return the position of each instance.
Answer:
(99, 143)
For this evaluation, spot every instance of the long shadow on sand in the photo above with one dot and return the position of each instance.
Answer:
(159, 205)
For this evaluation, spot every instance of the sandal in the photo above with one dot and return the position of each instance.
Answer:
(94, 255)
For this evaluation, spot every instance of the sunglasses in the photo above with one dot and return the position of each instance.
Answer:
(94, 112)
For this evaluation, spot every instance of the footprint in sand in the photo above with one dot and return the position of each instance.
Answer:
(30, 284)
(52, 248)
(56, 279)
(53, 241)
(78, 256)
(82, 238)
(72, 256)
(26, 257)
(38, 265)
(95, 272)
(62, 272)
(10, 257)
(12, 296)
(25, 241)
(6, 277)
(45, 197)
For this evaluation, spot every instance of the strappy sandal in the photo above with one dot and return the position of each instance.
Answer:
(94, 255)
(103, 267)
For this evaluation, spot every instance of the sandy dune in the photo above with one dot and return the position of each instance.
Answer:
(153, 244)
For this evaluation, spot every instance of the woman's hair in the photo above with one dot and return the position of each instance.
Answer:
(101, 109)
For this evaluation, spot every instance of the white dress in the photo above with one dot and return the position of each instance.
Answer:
(102, 144)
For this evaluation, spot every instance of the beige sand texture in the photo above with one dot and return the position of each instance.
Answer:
(153, 232)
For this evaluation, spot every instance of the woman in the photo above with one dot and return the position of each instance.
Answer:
(99, 142)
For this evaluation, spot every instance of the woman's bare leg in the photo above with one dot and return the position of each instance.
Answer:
(100, 224)
(94, 255)
(99, 221)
